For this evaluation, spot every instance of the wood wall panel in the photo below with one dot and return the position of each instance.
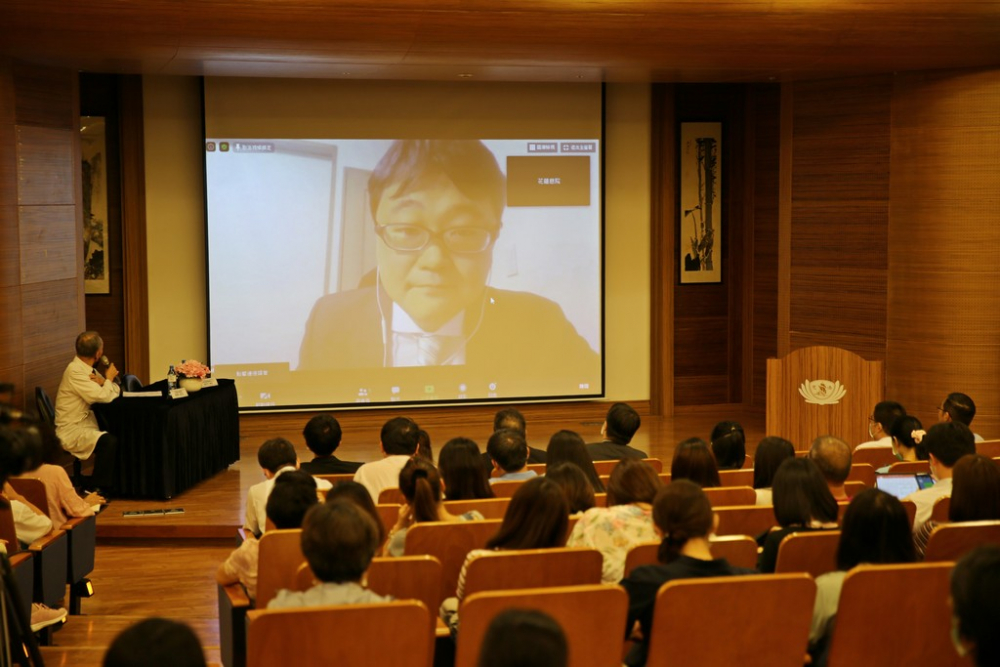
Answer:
(10, 328)
(48, 242)
(45, 373)
(46, 96)
(9, 264)
(662, 245)
(839, 208)
(944, 284)
(50, 319)
(46, 172)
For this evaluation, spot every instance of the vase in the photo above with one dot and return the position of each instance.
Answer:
(191, 385)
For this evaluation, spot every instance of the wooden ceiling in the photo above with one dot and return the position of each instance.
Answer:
(526, 40)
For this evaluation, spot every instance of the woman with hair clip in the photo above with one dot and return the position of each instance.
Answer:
(568, 446)
(462, 470)
(907, 436)
(421, 486)
(684, 520)
(729, 445)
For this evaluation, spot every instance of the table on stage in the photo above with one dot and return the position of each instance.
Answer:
(166, 446)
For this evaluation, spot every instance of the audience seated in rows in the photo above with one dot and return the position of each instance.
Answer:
(462, 471)
(421, 486)
(958, 408)
(625, 522)
(833, 458)
(156, 642)
(424, 448)
(398, 442)
(907, 440)
(508, 452)
(357, 494)
(876, 530)
(523, 638)
(293, 494)
(323, 435)
(276, 457)
(568, 446)
(975, 596)
(684, 520)
(975, 496)
(63, 501)
(729, 445)
(771, 453)
(802, 502)
(512, 418)
(880, 424)
(693, 460)
(946, 443)
(575, 486)
(620, 425)
(339, 540)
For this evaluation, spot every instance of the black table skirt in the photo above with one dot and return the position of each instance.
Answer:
(166, 445)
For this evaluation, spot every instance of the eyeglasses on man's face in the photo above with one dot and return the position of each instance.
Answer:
(413, 238)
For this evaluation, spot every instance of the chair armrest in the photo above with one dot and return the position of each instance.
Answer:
(236, 596)
(44, 541)
(74, 522)
(241, 536)
(233, 606)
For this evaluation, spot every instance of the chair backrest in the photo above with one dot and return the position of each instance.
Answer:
(131, 383)
(404, 578)
(490, 508)
(33, 490)
(854, 488)
(908, 505)
(909, 467)
(7, 532)
(450, 543)
(908, 604)
(766, 619)
(387, 514)
(507, 489)
(537, 467)
(739, 550)
(942, 506)
(745, 519)
(742, 477)
(605, 467)
(302, 636)
(950, 541)
(862, 472)
(44, 406)
(811, 552)
(391, 496)
(988, 448)
(595, 639)
(601, 499)
(533, 568)
(876, 457)
(277, 563)
(731, 495)
(334, 479)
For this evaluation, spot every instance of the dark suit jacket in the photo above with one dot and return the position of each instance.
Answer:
(521, 337)
(608, 451)
(330, 465)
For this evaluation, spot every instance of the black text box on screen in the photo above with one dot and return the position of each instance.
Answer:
(548, 180)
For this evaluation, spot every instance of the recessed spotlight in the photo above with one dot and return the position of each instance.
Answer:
(464, 75)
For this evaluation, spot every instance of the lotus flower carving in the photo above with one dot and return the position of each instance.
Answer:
(822, 392)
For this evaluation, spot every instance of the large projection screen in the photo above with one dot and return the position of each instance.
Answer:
(395, 242)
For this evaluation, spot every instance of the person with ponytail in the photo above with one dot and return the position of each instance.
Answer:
(907, 437)
(684, 520)
(420, 483)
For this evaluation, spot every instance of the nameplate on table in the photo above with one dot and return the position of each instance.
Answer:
(142, 394)
(178, 393)
(209, 382)
(157, 512)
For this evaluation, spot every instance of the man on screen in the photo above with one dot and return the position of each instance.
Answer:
(437, 207)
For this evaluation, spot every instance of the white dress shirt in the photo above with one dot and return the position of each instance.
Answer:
(76, 424)
(876, 444)
(380, 475)
(412, 346)
(257, 500)
(925, 499)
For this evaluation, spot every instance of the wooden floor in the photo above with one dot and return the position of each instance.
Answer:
(165, 565)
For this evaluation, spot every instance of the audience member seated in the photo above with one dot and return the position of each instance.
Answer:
(946, 443)
(276, 457)
(876, 530)
(339, 540)
(156, 642)
(833, 458)
(880, 424)
(684, 520)
(771, 453)
(975, 496)
(462, 471)
(958, 408)
(63, 501)
(523, 638)
(358, 495)
(508, 451)
(693, 460)
(424, 449)
(907, 440)
(292, 496)
(975, 600)
(399, 442)
(625, 522)
(512, 418)
(30, 523)
(802, 502)
(421, 486)
(322, 434)
(618, 430)
(568, 446)
(729, 445)
(576, 487)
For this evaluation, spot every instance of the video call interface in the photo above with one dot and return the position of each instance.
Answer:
(382, 271)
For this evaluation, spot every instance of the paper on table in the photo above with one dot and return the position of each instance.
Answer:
(142, 394)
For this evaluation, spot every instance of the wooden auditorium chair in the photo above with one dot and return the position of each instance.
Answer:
(731, 495)
(910, 468)
(742, 477)
(989, 448)
(908, 505)
(335, 479)
(739, 550)
(389, 633)
(404, 578)
(81, 532)
(277, 563)
(894, 616)
(533, 568)
(490, 508)
(950, 541)
(745, 519)
(812, 552)
(752, 621)
(876, 457)
(862, 472)
(605, 467)
(391, 496)
(853, 488)
(449, 542)
(593, 618)
(941, 509)
(507, 489)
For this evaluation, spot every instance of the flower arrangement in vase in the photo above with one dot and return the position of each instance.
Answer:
(190, 373)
